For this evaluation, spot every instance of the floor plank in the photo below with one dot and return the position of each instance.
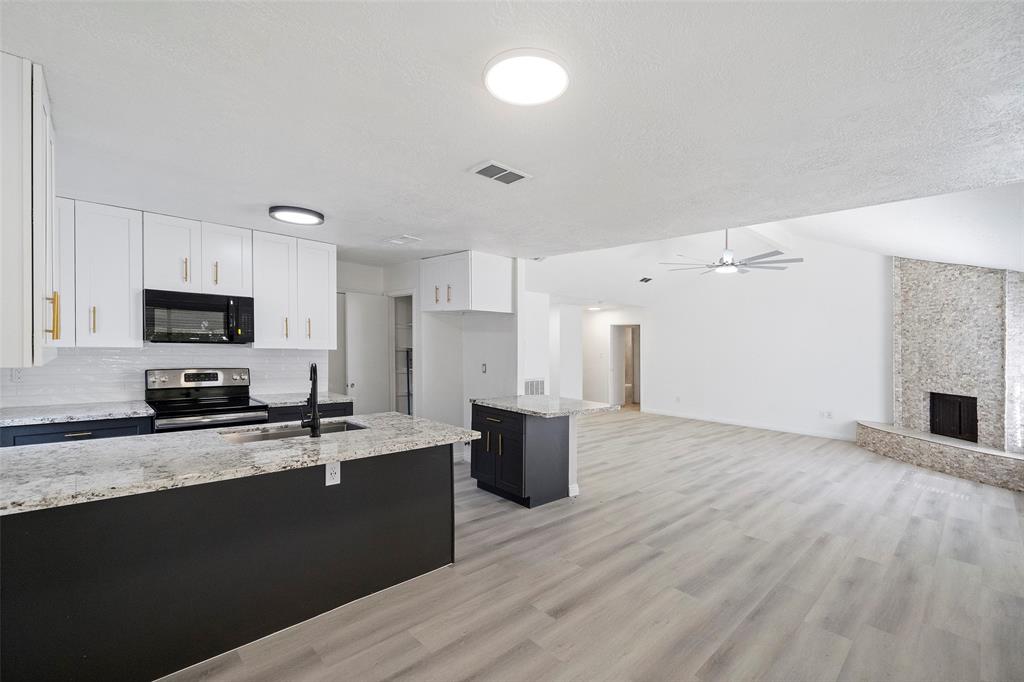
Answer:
(697, 551)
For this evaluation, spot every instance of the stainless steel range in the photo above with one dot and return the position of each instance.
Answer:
(196, 398)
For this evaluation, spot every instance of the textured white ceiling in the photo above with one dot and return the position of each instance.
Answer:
(680, 118)
(983, 227)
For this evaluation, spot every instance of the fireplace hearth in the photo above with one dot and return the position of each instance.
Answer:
(955, 416)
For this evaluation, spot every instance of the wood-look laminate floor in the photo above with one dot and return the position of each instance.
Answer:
(697, 551)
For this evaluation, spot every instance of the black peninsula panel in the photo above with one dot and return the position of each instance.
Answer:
(133, 588)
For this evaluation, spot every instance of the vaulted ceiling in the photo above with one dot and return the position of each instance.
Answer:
(680, 117)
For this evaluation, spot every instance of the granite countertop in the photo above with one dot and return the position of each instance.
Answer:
(299, 399)
(58, 474)
(56, 414)
(544, 405)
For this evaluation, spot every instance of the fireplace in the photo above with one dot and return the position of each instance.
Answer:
(955, 416)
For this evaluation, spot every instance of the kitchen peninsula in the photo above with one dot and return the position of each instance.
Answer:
(180, 546)
(528, 450)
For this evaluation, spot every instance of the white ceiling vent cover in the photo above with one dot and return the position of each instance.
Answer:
(500, 172)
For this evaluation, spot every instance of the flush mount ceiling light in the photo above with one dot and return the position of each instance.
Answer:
(593, 309)
(296, 215)
(526, 77)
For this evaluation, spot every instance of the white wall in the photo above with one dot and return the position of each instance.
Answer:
(596, 343)
(487, 338)
(554, 385)
(533, 316)
(570, 352)
(359, 278)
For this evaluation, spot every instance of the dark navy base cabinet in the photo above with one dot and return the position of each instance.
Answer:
(295, 413)
(133, 588)
(72, 431)
(520, 457)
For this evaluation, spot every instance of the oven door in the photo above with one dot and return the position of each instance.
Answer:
(177, 317)
(205, 421)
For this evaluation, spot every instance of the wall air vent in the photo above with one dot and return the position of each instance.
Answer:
(500, 172)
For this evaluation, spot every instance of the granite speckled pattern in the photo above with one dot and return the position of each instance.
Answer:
(298, 399)
(544, 405)
(53, 475)
(80, 412)
(968, 461)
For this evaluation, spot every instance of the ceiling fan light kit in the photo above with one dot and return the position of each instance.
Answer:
(728, 264)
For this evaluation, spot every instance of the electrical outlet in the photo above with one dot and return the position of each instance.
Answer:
(332, 473)
(483, 368)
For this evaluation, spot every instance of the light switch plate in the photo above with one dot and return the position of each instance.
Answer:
(332, 473)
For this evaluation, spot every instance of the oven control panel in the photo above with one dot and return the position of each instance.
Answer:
(196, 378)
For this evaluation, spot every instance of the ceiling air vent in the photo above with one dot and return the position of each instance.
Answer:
(645, 280)
(500, 172)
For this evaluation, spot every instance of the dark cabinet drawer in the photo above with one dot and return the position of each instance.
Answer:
(72, 431)
(293, 413)
(498, 419)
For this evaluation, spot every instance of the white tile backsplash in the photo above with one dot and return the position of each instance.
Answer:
(85, 375)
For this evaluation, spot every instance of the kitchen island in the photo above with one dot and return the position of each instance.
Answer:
(528, 450)
(130, 558)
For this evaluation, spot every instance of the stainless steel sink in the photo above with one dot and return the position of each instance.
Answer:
(287, 432)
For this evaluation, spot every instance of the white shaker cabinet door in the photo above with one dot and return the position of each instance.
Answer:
(227, 260)
(432, 294)
(60, 277)
(457, 282)
(317, 288)
(108, 276)
(274, 262)
(173, 253)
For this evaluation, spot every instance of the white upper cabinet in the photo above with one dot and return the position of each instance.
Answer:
(173, 253)
(466, 281)
(294, 292)
(227, 260)
(274, 290)
(108, 276)
(317, 289)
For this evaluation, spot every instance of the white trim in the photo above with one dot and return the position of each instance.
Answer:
(749, 425)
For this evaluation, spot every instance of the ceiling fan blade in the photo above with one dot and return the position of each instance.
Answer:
(776, 262)
(767, 254)
(743, 271)
(683, 255)
(696, 267)
(700, 265)
(766, 267)
(710, 270)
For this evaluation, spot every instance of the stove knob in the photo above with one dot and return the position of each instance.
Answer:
(234, 377)
(244, 377)
(163, 380)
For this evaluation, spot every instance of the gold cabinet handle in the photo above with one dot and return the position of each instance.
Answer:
(94, 319)
(449, 294)
(499, 445)
(286, 327)
(309, 328)
(492, 419)
(78, 434)
(54, 330)
(216, 272)
(488, 446)
(186, 268)
(437, 294)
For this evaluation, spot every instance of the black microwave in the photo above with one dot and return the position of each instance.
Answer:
(179, 317)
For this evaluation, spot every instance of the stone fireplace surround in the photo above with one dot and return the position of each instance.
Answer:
(959, 330)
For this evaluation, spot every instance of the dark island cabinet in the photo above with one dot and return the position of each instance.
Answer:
(64, 432)
(294, 413)
(520, 457)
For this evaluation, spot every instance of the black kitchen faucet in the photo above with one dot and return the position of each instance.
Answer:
(312, 406)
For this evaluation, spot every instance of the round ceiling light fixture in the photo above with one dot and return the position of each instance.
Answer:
(526, 77)
(296, 215)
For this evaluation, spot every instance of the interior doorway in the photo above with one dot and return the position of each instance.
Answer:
(402, 384)
(624, 366)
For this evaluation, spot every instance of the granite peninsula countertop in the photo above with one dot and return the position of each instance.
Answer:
(544, 405)
(53, 475)
(79, 412)
(299, 399)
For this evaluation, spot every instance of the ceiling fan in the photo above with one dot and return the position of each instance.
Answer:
(728, 263)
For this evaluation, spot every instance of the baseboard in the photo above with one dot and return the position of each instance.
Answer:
(750, 425)
(574, 491)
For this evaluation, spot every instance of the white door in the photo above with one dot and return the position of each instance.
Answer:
(366, 352)
(457, 292)
(227, 260)
(172, 249)
(60, 276)
(617, 366)
(273, 288)
(317, 288)
(108, 276)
